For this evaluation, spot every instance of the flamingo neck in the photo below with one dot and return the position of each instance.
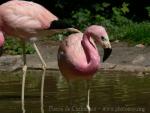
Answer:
(1, 39)
(92, 55)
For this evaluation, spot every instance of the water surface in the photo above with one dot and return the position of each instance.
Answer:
(111, 92)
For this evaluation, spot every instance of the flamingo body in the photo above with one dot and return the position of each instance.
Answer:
(78, 56)
(73, 60)
(28, 21)
(24, 19)
(1, 42)
(1, 38)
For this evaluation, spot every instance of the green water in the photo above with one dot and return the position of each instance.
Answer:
(111, 92)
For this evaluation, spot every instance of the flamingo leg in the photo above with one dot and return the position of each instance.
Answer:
(40, 56)
(23, 87)
(70, 95)
(23, 78)
(43, 76)
(42, 92)
(88, 96)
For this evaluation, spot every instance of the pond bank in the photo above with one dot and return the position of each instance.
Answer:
(124, 58)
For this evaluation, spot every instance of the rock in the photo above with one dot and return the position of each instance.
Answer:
(107, 66)
(138, 60)
(10, 63)
(147, 69)
(116, 41)
(129, 68)
(140, 45)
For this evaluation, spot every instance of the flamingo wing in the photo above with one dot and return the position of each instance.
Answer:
(25, 16)
(72, 49)
(71, 54)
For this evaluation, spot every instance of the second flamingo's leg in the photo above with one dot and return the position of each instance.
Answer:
(40, 56)
(88, 96)
(70, 95)
(42, 91)
(43, 75)
(23, 77)
(23, 87)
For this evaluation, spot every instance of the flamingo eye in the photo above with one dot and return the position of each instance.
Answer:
(103, 38)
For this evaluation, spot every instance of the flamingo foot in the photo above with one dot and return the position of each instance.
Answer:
(24, 68)
(44, 66)
(88, 101)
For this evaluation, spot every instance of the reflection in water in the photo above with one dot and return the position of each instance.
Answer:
(110, 93)
(23, 87)
(71, 105)
(42, 91)
(88, 96)
(70, 95)
(23, 90)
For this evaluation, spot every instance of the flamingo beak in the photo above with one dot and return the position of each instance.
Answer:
(1, 51)
(107, 52)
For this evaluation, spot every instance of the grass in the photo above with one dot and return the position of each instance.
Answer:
(138, 33)
(131, 32)
(13, 46)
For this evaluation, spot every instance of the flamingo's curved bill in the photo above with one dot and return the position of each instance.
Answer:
(107, 52)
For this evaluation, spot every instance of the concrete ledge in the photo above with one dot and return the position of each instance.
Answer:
(13, 63)
(10, 63)
(125, 68)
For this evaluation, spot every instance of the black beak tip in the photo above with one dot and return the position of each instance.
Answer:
(107, 52)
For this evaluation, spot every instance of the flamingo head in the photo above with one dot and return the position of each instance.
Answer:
(1, 42)
(100, 35)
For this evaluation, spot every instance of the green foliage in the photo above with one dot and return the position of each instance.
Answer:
(81, 18)
(114, 17)
(57, 37)
(101, 7)
(125, 8)
(118, 16)
(148, 10)
(13, 46)
(138, 32)
(118, 25)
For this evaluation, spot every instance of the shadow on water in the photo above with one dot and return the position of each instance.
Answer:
(111, 92)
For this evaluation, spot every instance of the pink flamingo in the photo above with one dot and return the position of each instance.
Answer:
(28, 21)
(78, 56)
(1, 42)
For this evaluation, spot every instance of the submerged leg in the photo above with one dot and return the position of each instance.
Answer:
(70, 95)
(42, 92)
(40, 56)
(88, 96)
(23, 78)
